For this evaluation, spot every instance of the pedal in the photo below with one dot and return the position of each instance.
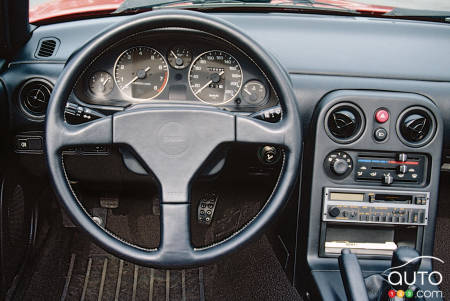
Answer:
(99, 215)
(206, 208)
(156, 203)
(109, 201)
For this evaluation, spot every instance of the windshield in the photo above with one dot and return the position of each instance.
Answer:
(42, 10)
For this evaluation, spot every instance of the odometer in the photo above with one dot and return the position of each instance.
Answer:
(215, 77)
(141, 73)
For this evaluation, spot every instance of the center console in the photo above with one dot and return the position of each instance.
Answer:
(374, 163)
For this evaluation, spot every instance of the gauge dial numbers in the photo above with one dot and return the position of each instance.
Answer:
(179, 57)
(101, 83)
(141, 73)
(254, 92)
(215, 77)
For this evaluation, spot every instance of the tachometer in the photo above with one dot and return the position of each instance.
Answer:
(215, 77)
(141, 72)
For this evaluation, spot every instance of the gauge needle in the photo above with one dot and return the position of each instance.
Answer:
(134, 79)
(207, 84)
(246, 91)
(107, 80)
(173, 53)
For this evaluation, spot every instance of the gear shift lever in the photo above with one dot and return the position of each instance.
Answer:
(405, 261)
(352, 277)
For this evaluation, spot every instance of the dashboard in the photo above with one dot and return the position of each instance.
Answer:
(372, 63)
(175, 66)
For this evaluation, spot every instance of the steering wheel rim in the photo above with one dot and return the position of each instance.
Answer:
(175, 250)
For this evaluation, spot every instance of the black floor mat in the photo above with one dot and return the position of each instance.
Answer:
(105, 277)
(90, 273)
(252, 274)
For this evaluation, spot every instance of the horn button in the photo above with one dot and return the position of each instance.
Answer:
(173, 142)
(173, 139)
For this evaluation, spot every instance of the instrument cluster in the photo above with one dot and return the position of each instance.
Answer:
(195, 68)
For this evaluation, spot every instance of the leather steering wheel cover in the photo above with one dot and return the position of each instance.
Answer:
(181, 19)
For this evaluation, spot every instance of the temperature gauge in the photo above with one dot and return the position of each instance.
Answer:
(101, 83)
(179, 57)
(254, 92)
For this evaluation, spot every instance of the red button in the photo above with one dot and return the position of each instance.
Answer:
(382, 116)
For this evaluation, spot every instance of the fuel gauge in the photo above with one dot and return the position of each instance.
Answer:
(101, 83)
(179, 57)
(254, 92)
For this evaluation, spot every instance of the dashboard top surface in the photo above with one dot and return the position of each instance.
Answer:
(308, 44)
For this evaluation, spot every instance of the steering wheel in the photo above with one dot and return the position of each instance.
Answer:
(173, 141)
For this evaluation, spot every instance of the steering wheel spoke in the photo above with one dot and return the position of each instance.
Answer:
(175, 232)
(252, 130)
(98, 131)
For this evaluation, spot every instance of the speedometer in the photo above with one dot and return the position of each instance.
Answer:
(141, 73)
(215, 77)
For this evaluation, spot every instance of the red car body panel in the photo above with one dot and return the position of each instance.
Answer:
(70, 9)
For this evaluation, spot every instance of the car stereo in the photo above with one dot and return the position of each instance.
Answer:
(345, 205)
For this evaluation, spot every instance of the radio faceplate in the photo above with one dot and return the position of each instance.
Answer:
(346, 205)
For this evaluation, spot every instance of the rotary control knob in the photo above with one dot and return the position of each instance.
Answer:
(339, 164)
(334, 211)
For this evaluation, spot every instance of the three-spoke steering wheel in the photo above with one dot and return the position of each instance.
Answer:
(173, 141)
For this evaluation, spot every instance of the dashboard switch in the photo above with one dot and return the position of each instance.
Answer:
(22, 144)
(402, 157)
(402, 169)
(380, 134)
(338, 164)
(381, 115)
(388, 179)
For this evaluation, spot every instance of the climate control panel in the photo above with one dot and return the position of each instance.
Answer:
(387, 169)
(377, 167)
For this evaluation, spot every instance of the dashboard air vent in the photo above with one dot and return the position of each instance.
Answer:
(416, 126)
(47, 47)
(34, 97)
(344, 123)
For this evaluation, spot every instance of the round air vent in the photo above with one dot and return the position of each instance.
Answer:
(416, 126)
(34, 96)
(344, 123)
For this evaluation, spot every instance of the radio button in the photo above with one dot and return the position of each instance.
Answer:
(421, 217)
